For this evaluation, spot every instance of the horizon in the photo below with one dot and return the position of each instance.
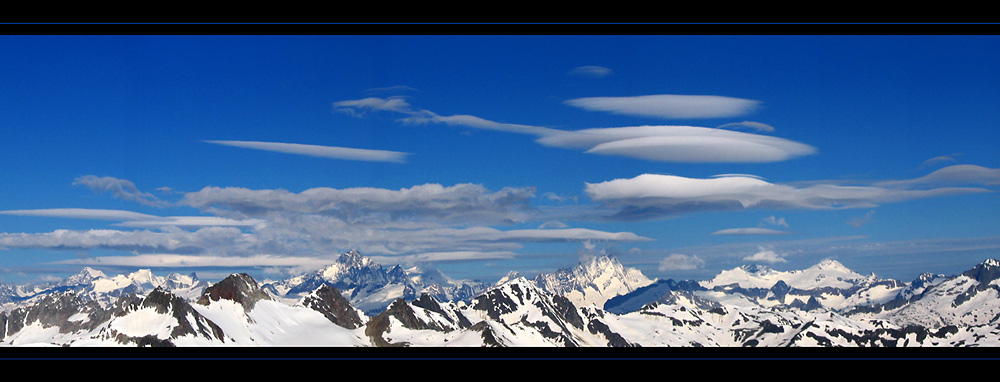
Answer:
(680, 155)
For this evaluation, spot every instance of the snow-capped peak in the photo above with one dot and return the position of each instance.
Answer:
(826, 273)
(593, 281)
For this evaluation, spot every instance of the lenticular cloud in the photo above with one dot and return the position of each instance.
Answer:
(669, 105)
(651, 196)
(680, 144)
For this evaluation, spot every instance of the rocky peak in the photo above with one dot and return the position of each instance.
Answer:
(328, 300)
(238, 287)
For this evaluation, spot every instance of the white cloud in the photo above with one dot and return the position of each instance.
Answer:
(656, 143)
(960, 174)
(191, 221)
(750, 231)
(591, 71)
(654, 196)
(120, 188)
(765, 256)
(81, 213)
(775, 221)
(443, 256)
(679, 262)
(358, 107)
(459, 204)
(690, 144)
(669, 106)
(330, 152)
(221, 240)
(197, 261)
(134, 219)
(553, 224)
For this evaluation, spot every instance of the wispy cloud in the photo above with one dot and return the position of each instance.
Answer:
(678, 262)
(120, 188)
(429, 257)
(657, 143)
(937, 161)
(223, 240)
(651, 196)
(750, 231)
(669, 106)
(859, 221)
(591, 71)
(960, 174)
(766, 256)
(330, 152)
(197, 261)
(772, 220)
(82, 213)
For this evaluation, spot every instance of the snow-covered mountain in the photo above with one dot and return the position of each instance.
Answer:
(370, 287)
(91, 284)
(738, 308)
(593, 282)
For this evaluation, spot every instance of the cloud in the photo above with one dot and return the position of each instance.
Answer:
(679, 262)
(443, 256)
(120, 188)
(765, 256)
(961, 174)
(651, 196)
(591, 71)
(553, 224)
(859, 221)
(749, 125)
(200, 261)
(669, 106)
(358, 107)
(321, 151)
(750, 231)
(478, 123)
(939, 160)
(774, 221)
(459, 204)
(688, 144)
(81, 213)
(221, 240)
(191, 221)
(134, 219)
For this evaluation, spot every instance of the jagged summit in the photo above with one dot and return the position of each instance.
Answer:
(593, 281)
(238, 287)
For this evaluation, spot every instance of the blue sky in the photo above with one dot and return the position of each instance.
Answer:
(478, 155)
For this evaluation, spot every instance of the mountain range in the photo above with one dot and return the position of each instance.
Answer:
(357, 303)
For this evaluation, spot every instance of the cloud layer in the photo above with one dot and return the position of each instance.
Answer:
(651, 196)
(688, 144)
(321, 151)
(669, 106)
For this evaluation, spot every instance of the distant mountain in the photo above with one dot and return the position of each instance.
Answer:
(370, 287)
(91, 284)
(593, 282)
(743, 307)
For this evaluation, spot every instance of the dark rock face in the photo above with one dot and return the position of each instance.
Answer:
(164, 302)
(240, 288)
(56, 310)
(334, 306)
(378, 326)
